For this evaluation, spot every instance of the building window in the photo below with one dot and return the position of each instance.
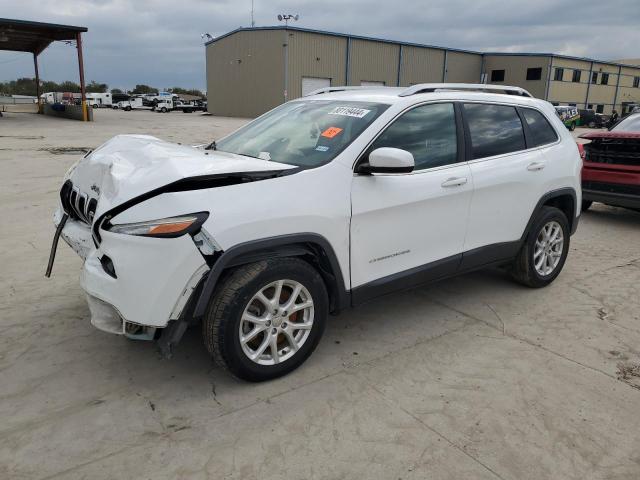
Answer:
(594, 77)
(558, 74)
(497, 75)
(599, 108)
(636, 82)
(576, 76)
(590, 106)
(572, 105)
(605, 79)
(555, 104)
(534, 73)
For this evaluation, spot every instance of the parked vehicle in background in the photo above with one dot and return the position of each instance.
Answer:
(611, 172)
(591, 119)
(363, 191)
(192, 106)
(569, 116)
(164, 105)
(137, 103)
(99, 100)
(629, 108)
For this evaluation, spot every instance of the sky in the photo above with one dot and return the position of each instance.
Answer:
(159, 42)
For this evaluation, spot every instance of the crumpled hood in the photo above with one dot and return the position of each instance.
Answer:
(128, 166)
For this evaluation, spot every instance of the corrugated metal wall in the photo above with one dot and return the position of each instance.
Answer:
(421, 65)
(245, 69)
(463, 67)
(315, 55)
(373, 62)
(245, 73)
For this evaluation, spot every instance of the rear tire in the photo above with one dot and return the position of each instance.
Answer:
(572, 127)
(544, 251)
(586, 204)
(256, 337)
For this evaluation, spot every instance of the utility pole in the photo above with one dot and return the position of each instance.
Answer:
(285, 45)
(253, 23)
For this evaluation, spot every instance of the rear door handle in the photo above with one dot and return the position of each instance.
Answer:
(535, 166)
(454, 182)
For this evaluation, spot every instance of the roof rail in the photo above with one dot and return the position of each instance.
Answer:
(341, 89)
(477, 87)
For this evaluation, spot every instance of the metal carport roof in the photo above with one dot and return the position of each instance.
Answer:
(34, 37)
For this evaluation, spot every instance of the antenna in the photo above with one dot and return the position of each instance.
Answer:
(253, 23)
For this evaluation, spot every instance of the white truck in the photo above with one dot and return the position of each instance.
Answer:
(99, 100)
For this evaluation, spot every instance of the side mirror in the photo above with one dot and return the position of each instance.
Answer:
(388, 160)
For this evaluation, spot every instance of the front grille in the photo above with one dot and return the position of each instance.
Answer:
(612, 188)
(78, 205)
(614, 151)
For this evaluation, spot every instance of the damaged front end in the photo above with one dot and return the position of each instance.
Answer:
(140, 270)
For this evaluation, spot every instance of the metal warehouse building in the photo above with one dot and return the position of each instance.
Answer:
(251, 70)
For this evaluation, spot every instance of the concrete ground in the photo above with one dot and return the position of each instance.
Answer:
(472, 378)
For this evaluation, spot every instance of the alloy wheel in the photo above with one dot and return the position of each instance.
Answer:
(276, 322)
(548, 248)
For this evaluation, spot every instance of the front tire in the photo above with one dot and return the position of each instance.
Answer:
(572, 127)
(544, 251)
(586, 205)
(266, 318)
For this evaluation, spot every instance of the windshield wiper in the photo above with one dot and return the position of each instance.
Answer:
(211, 146)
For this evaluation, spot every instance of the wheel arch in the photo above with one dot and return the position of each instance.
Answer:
(311, 247)
(565, 199)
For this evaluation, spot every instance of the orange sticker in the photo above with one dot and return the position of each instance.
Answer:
(331, 132)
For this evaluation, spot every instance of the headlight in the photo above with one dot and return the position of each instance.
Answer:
(170, 227)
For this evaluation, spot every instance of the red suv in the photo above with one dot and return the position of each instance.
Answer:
(611, 172)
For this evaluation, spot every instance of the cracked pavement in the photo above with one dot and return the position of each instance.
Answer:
(475, 377)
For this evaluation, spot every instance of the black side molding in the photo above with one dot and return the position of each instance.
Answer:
(406, 279)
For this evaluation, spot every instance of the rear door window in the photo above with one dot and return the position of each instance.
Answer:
(540, 130)
(493, 129)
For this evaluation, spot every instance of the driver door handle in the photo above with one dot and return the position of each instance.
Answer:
(454, 182)
(535, 166)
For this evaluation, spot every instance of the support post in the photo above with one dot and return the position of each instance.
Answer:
(399, 78)
(586, 99)
(83, 93)
(285, 48)
(35, 64)
(347, 69)
(444, 67)
(615, 95)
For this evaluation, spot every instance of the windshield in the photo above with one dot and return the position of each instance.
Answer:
(304, 133)
(629, 124)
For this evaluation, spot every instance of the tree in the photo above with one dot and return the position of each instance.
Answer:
(95, 87)
(144, 89)
(116, 90)
(184, 91)
(68, 86)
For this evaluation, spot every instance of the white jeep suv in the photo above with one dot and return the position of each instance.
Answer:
(320, 204)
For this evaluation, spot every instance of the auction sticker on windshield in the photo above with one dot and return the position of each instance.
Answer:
(349, 112)
(331, 132)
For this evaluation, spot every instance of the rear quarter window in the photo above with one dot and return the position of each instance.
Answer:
(493, 129)
(540, 130)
